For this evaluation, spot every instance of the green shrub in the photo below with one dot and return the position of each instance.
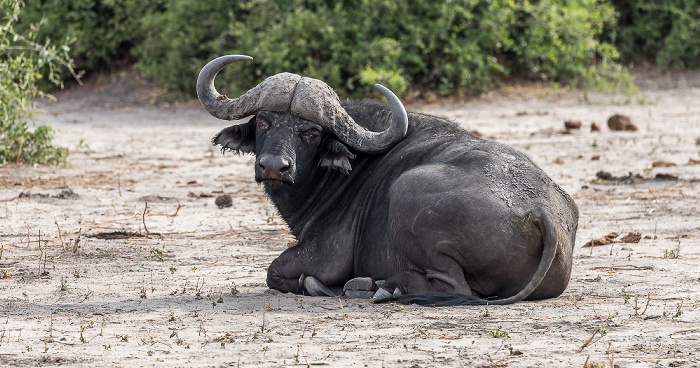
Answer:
(21, 58)
(444, 46)
(101, 32)
(440, 45)
(182, 38)
(667, 32)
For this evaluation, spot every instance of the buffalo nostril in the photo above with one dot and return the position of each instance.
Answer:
(273, 166)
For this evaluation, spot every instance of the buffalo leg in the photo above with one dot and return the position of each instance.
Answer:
(294, 271)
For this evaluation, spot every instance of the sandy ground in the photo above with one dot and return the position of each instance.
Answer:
(123, 259)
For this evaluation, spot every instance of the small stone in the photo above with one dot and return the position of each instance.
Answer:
(595, 127)
(572, 124)
(595, 158)
(621, 122)
(223, 200)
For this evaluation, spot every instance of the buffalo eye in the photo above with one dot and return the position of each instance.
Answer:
(311, 134)
(261, 124)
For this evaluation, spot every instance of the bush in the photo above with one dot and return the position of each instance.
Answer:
(665, 31)
(444, 46)
(20, 61)
(184, 36)
(101, 32)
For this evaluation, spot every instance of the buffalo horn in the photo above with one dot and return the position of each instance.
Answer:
(308, 98)
(273, 94)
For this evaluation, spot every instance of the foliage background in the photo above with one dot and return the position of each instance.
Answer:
(23, 64)
(445, 46)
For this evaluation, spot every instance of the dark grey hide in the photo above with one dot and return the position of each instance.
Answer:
(439, 218)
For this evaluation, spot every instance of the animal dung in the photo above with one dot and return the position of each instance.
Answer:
(608, 239)
(223, 200)
(65, 193)
(662, 163)
(572, 124)
(621, 122)
(631, 237)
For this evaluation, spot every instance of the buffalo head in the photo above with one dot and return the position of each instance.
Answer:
(298, 122)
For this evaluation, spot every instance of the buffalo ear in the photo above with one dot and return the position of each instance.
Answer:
(239, 138)
(336, 155)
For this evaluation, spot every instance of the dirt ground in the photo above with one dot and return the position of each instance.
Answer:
(122, 258)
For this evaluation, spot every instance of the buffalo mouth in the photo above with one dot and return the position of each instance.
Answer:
(276, 184)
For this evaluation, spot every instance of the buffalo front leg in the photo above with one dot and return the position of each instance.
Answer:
(305, 270)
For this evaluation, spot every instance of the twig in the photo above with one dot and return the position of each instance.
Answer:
(646, 306)
(77, 240)
(345, 316)
(262, 328)
(597, 329)
(623, 268)
(143, 218)
(684, 331)
(611, 351)
(304, 356)
(178, 208)
(41, 255)
(2, 249)
(59, 233)
(19, 151)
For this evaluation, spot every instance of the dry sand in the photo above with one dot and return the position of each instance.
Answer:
(136, 266)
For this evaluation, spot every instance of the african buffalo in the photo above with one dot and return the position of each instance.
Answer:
(394, 205)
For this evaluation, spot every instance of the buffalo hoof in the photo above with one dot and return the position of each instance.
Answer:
(382, 296)
(358, 294)
(301, 281)
(316, 288)
(360, 283)
(359, 288)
